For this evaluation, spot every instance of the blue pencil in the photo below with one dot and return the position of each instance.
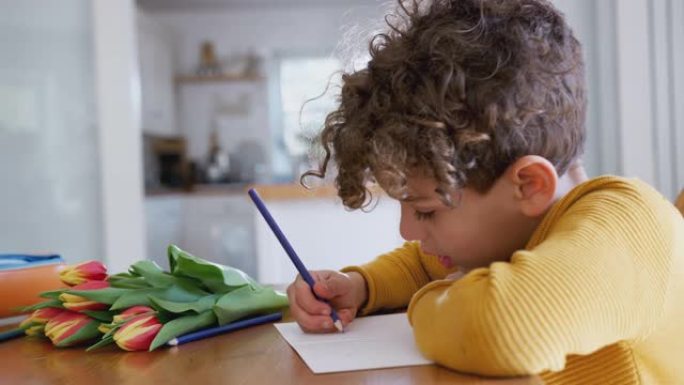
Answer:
(14, 333)
(210, 332)
(289, 250)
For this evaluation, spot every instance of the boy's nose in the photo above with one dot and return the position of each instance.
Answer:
(409, 227)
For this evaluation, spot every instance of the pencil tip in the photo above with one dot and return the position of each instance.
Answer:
(173, 342)
(338, 326)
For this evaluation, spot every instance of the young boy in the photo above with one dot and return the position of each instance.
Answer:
(471, 113)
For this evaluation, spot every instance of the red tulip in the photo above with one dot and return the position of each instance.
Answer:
(71, 328)
(78, 303)
(35, 331)
(138, 332)
(132, 312)
(82, 272)
(125, 315)
(34, 325)
(104, 328)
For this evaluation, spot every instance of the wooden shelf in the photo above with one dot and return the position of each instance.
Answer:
(183, 79)
(293, 191)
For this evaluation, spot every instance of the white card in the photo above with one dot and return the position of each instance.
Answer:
(382, 341)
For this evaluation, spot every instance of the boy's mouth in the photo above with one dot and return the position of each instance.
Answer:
(446, 261)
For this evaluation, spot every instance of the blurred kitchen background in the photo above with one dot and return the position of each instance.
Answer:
(126, 126)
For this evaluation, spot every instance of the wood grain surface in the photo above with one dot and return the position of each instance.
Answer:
(257, 355)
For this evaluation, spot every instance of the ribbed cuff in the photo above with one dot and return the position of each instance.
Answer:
(369, 306)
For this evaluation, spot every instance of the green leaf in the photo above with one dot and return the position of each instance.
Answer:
(152, 273)
(128, 281)
(113, 327)
(102, 316)
(183, 325)
(41, 305)
(107, 295)
(52, 294)
(106, 340)
(164, 316)
(156, 277)
(121, 276)
(173, 252)
(135, 297)
(247, 301)
(201, 305)
(218, 278)
(175, 293)
(84, 334)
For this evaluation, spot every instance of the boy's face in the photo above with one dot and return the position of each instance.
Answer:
(479, 229)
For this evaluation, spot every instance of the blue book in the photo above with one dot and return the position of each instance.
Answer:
(18, 261)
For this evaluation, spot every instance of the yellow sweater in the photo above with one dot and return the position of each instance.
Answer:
(596, 296)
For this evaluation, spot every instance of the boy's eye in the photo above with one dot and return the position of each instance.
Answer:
(424, 215)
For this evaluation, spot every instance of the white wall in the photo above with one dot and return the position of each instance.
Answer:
(632, 51)
(155, 47)
(49, 164)
(634, 85)
(640, 53)
(580, 15)
(69, 134)
(270, 32)
(666, 48)
(324, 234)
(118, 106)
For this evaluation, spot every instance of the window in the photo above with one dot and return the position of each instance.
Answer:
(304, 104)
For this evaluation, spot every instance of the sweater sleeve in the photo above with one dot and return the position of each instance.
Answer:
(393, 278)
(598, 276)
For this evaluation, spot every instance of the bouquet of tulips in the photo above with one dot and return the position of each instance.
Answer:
(146, 307)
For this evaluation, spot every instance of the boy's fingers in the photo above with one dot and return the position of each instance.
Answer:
(301, 292)
(322, 290)
(320, 277)
(330, 286)
(346, 316)
(311, 323)
(312, 315)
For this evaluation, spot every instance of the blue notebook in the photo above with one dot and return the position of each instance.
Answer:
(18, 261)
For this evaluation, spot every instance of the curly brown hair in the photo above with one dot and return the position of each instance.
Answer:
(458, 89)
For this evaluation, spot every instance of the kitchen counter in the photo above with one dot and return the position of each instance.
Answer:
(293, 191)
(284, 191)
(199, 189)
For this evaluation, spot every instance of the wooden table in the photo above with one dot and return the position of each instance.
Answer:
(257, 355)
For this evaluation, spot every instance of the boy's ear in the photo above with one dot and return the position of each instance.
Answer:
(534, 180)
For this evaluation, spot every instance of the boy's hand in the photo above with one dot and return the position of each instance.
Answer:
(345, 292)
